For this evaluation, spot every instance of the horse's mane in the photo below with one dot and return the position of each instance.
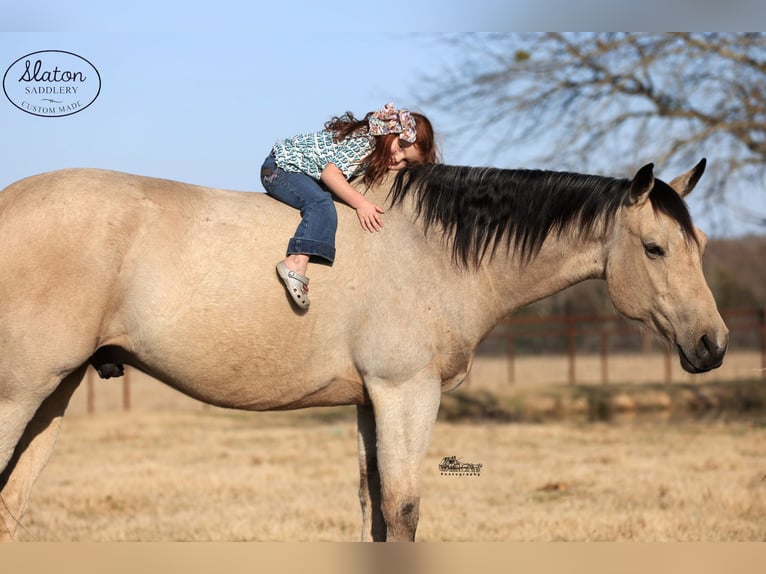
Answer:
(480, 208)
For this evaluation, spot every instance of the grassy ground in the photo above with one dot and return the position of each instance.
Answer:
(218, 475)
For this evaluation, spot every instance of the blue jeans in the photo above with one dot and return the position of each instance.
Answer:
(315, 235)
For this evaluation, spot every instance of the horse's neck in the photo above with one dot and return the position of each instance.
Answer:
(561, 263)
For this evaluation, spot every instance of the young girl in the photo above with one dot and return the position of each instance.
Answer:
(305, 172)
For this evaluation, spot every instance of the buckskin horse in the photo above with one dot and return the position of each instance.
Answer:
(108, 269)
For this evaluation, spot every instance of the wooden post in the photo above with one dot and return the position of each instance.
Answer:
(668, 366)
(511, 358)
(570, 329)
(604, 357)
(91, 394)
(126, 390)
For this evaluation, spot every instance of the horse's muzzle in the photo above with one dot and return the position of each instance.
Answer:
(706, 355)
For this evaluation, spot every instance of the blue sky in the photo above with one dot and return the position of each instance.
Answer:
(200, 95)
(207, 110)
(202, 110)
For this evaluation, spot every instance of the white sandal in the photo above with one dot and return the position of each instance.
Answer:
(297, 285)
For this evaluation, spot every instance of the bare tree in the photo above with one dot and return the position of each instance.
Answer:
(614, 100)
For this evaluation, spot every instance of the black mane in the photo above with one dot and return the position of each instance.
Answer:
(481, 208)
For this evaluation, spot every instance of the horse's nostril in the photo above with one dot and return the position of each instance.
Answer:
(711, 348)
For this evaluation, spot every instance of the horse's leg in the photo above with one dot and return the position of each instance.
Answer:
(32, 453)
(405, 414)
(14, 419)
(373, 524)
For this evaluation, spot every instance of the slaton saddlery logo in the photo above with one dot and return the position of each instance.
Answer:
(51, 83)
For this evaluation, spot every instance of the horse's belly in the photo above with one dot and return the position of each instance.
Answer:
(336, 393)
(270, 394)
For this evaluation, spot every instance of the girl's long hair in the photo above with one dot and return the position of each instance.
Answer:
(378, 160)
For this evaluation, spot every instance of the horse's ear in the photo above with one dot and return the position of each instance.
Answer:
(642, 185)
(684, 183)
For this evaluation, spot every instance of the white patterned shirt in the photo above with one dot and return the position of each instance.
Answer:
(310, 153)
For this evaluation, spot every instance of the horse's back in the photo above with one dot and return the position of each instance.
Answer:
(183, 278)
(179, 275)
(109, 213)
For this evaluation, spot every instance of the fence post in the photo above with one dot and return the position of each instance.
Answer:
(126, 389)
(604, 357)
(668, 366)
(91, 394)
(570, 329)
(511, 359)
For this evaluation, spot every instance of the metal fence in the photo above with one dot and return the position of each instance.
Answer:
(605, 334)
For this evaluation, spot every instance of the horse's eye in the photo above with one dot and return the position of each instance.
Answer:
(653, 250)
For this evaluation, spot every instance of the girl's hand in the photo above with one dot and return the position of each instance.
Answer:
(369, 215)
(367, 212)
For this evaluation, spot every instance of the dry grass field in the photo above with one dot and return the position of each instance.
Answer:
(172, 469)
(213, 475)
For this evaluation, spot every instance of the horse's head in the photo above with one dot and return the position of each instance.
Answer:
(654, 269)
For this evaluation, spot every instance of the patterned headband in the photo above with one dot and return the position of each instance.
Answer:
(389, 120)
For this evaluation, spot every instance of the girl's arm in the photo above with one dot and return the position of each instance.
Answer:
(367, 212)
